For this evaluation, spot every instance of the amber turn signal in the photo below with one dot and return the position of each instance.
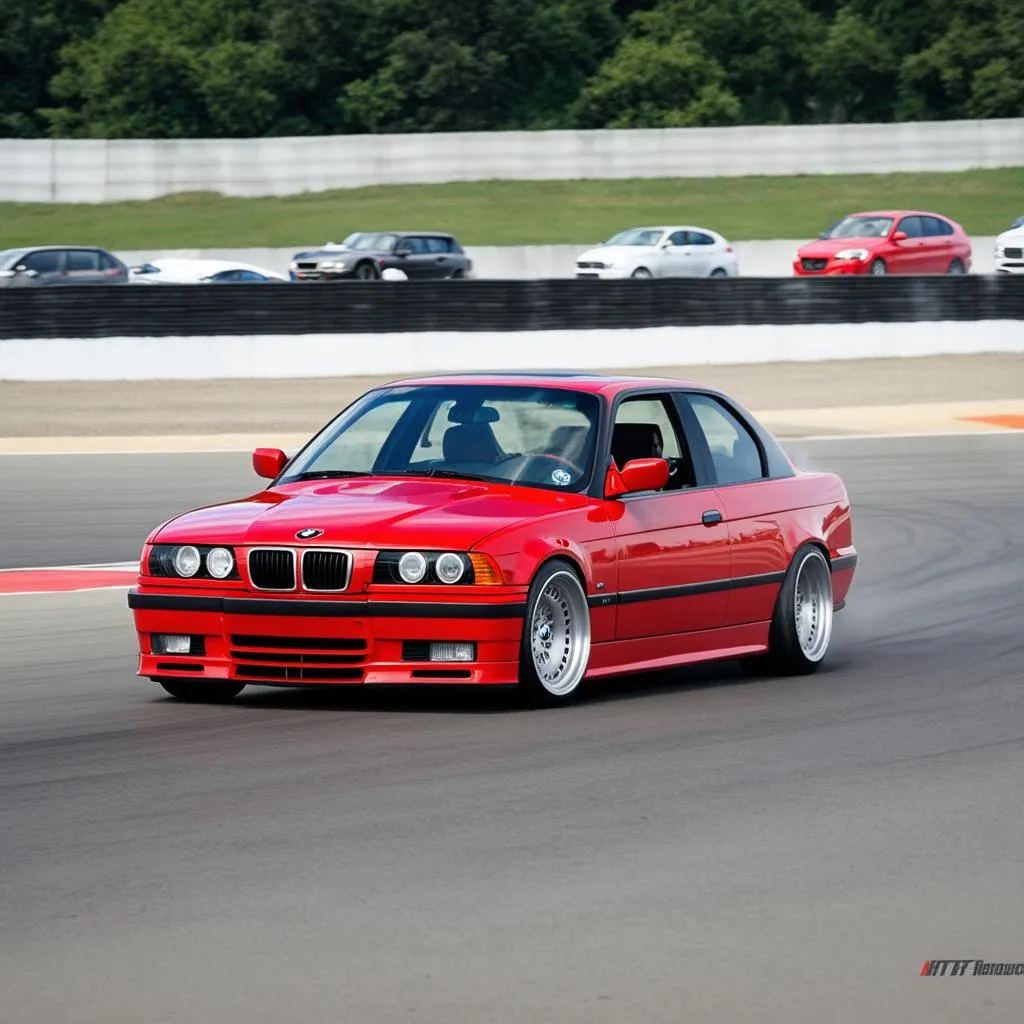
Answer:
(484, 570)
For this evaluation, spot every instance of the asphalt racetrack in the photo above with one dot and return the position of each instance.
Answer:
(693, 846)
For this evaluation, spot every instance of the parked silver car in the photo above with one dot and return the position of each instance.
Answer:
(39, 265)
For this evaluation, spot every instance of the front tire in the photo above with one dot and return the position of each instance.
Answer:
(555, 646)
(195, 692)
(641, 272)
(956, 267)
(367, 272)
(801, 630)
(878, 268)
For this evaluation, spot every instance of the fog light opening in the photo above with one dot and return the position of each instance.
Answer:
(169, 643)
(452, 651)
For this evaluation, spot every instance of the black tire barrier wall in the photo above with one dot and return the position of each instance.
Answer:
(384, 307)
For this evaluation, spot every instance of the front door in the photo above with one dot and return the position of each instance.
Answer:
(673, 560)
(750, 504)
(677, 258)
(910, 255)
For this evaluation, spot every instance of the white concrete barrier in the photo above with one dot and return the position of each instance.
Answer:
(513, 262)
(102, 170)
(332, 355)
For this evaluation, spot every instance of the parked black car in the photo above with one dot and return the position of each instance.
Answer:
(60, 264)
(419, 255)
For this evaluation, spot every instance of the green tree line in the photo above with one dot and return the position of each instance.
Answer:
(235, 68)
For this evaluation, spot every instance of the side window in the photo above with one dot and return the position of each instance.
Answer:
(45, 262)
(699, 238)
(644, 428)
(735, 453)
(912, 226)
(930, 226)
(107, 262)
(417, 246)
(455, 247)
(677, 238)
(436, 245)
(81, 260)
(938, 226)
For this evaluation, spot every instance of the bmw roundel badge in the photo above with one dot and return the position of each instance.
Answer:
(308, 534)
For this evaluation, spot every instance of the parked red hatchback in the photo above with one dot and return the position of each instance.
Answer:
(887, 242)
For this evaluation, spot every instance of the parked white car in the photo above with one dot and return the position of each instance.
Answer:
(677, 251)
(180, 270)
(1009, 252)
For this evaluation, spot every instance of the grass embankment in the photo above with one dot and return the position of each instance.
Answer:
(521, 213)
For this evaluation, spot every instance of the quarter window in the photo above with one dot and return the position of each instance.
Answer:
(735, 453)
(699, 238)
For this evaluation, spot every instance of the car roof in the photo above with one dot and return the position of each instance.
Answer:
(50, 248)
(668, 227)
(590, 381)
(384, 231)
(898, 213)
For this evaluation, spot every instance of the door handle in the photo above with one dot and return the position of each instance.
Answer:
(711, 517)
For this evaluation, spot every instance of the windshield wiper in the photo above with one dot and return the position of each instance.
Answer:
(328, 474)
(448, 474)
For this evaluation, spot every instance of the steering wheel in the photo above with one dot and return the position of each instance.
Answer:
(563, 465)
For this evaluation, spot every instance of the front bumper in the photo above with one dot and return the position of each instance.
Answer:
(605, 273)
(298, 641)
(1009, 266)
(833, 268)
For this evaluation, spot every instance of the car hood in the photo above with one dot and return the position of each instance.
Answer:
(370, 512)
(616, 253)
(830, 246)
(1015, 236)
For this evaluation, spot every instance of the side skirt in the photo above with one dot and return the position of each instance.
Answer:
(651, 653)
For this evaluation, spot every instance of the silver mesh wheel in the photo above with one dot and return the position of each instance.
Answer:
(812, 606)
(560, 634)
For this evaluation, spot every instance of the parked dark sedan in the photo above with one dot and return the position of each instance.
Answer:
(419, 255)
(60, 264)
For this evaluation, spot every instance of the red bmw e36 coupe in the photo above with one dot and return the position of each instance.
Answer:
(536, 529)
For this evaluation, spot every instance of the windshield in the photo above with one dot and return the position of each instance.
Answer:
(1018, 223)
(371, 242)
(529, 436)
(9, 257)
(636, 236)
(860, 227)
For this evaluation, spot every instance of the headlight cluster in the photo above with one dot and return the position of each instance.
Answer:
(852, 254)
(432, 567)
(193, 561)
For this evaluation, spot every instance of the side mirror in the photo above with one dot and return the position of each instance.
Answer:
(823, 235)
(268, 462)
(637, 475)
(899, 236)
(402, 252)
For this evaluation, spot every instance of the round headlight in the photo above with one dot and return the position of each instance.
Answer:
(187, 561)
(219, 563)
(449, 568)
(412, 567)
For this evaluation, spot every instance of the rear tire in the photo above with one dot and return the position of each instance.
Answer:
(878, 268)
(956, 267)
(719, 272)
(801, 630)
(555, 646)
(195, 692)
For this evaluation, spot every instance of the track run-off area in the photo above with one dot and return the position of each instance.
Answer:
(691, 845)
